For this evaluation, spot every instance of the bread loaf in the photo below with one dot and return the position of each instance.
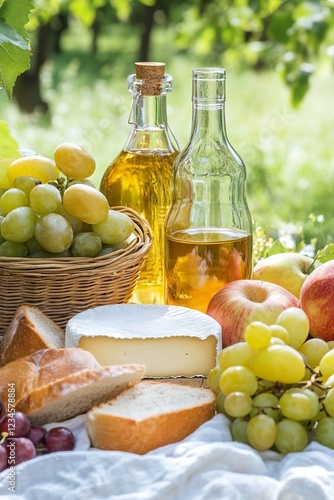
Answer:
(29, 331)
(53, 385)
(149, 415)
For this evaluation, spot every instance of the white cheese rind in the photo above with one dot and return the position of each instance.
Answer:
(171, 341)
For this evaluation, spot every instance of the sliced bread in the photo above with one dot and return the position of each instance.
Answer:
(53, 385)
(29, 331)
(149, 415)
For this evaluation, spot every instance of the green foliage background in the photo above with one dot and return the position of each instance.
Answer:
(279, 57)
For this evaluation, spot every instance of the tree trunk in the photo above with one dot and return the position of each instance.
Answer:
(147, 26)
(27, 89)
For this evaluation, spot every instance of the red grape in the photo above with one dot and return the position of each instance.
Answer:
(37, 434)
(3, 458)
(59, 439)
(19, 450)
(15, 424)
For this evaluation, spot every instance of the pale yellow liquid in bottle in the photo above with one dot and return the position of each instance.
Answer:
(200, 261)
(142, 181)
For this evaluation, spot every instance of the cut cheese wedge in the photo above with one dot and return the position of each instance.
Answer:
(171, 341)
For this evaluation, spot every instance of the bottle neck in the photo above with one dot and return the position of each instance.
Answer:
(208, 98)
(208, 124)
(150, 132)
(149, 112)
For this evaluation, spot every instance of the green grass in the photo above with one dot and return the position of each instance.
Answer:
(288, 153)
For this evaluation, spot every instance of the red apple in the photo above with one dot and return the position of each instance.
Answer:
(239, 302)
(317, 301)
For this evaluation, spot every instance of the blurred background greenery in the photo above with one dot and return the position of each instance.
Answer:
(279, 59)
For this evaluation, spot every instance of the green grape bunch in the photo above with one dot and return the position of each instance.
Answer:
(50, 208)
(277, 386)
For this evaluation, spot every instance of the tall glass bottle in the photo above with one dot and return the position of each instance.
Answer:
(140, 177)
(208, 228)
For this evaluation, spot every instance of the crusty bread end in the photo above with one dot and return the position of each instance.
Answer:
(29, 331)
(53, 385)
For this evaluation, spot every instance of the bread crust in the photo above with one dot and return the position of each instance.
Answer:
(48, 382)
(111, 432)
(23, 337)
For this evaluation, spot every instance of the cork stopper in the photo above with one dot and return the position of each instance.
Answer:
(151, 74)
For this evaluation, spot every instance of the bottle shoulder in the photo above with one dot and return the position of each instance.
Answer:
(215, 159)
(136, 164)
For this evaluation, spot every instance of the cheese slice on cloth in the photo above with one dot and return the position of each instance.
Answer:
(171, 341)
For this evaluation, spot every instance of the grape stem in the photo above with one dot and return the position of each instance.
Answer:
(278, 388)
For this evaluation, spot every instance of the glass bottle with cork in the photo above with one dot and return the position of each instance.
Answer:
(208, 228)
(140, 177)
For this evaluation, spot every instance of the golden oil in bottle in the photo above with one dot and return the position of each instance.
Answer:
(201, 261)
(142, 181)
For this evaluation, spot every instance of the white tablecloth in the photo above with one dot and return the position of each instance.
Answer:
(207, 465)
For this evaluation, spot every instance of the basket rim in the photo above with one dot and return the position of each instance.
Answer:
(138, 246)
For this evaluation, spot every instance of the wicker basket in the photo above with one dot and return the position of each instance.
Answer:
(62, 287)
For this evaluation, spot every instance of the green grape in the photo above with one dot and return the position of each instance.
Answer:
(88, 182)
(9, 249)
(296, 322)
(322, 414)
(324, 432)
(261, 432)
(276, 341)
(239, 430)
(86, 245)
(54, 233)
(330, 344)
(106, 251)
(220, 399)
(33, 246)
(116, 228)
(19, 225)
(26, 183)
(11, 199)
(291, 436)
(326, 364)
(266, 403)
(86, 203)
(296, 405)
(125, 243)
(237, 354)
(238, 378)
(278, 331)
(237, 404)
(264, 385)
(213, 379)
(74, 161)
(329, 402)
(278, 363)
(2, 239)
(314, 350)
(77, 224)
(43, 254)
(45, 199)
(257, 335)
(315, 404)
(37, 166)
(330, 381)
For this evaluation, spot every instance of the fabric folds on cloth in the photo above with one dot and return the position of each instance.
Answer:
(207, 465)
